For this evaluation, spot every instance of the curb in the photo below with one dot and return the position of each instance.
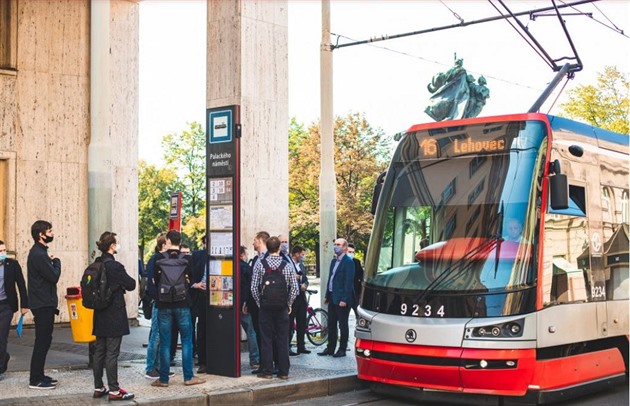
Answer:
(259, 395)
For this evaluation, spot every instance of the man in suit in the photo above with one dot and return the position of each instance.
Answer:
(199, 298)
(10, 277)
(340, 298)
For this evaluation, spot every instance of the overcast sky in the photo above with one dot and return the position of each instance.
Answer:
(388, 85)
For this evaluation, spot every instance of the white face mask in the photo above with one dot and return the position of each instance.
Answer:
(118, 247)
(350, 254)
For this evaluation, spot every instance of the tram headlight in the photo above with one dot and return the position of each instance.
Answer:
(363, 323)
(483, 363)
(501, 330)
(514, 328)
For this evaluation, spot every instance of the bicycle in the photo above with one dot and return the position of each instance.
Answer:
(316, 322)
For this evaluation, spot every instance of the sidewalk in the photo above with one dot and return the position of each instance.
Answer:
(310, 375)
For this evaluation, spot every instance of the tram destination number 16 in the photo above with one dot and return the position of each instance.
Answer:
(415, 310)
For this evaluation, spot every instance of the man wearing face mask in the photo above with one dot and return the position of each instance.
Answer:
(358, 278)
(340, 298)
(284, 254)
(298, 311)
(10, 277)
(43, 272)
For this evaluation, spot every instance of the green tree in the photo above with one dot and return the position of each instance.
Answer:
(604, 104)
(154, 189)
(186, 153)
(361, 154)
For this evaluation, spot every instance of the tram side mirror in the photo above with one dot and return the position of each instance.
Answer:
(559, 187)
(377, 191)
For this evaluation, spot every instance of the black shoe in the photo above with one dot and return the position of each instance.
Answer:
(50, 380)
(339, 354)
(325, 352)
(293, 353)
(201, 369)
(264, 376)
(256, 371)
(303, 351)
(43, 385)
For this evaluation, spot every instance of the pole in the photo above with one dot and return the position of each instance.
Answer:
(545, 94)
(327, 183)
(99, 148)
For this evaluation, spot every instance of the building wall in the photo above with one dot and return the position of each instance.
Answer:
(45, 133)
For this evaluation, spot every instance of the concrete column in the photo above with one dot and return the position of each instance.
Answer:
(247, 64)
(99, 148)
(327, 183)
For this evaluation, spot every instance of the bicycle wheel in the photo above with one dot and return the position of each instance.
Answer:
(317, 327)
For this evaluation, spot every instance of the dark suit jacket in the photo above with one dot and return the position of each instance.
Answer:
(358, 278)
(13, 276)
(343, 282)
(199, 261)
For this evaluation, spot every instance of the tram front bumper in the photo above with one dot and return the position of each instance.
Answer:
(480, 371)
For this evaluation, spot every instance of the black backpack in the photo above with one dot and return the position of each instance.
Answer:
(274, 292)
(94, 286)
(172, 285)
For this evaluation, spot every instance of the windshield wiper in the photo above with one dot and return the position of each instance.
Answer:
(448, 275)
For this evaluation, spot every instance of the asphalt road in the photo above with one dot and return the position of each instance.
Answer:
(617, 396)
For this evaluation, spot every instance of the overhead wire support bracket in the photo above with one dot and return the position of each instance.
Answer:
(577, 66)
(460, 24)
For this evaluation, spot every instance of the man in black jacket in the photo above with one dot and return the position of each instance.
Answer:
(10, 277)
(43, 272)
(173, 275)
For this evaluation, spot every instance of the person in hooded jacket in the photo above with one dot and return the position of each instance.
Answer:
(111, 324)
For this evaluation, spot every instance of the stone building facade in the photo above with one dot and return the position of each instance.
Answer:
(69, 121)
(47, 127)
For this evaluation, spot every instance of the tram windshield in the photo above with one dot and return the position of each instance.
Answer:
(460, 210)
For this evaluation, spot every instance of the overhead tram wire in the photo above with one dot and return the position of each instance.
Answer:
(461, 24)
(614, 26)
(438, 63)
(546, 58)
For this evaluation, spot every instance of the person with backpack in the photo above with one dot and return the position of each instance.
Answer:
(173, 275)
(274, 288)
(111, 322)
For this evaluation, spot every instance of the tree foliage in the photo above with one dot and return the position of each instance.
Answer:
(361, 154)
(154, 189)
(605, 104)
(186, 153)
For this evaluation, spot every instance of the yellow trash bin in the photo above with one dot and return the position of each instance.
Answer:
(81, 318)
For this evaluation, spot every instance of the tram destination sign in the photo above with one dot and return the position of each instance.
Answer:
(433, 148)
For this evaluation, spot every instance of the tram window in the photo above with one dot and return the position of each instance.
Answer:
(577, 202)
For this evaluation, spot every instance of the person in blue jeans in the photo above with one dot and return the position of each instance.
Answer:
(173, 306)
(153, 344)
(246, 317)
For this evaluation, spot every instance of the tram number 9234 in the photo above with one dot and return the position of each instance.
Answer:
(420, 311)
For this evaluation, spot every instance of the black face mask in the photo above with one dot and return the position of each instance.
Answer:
(48, 239)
